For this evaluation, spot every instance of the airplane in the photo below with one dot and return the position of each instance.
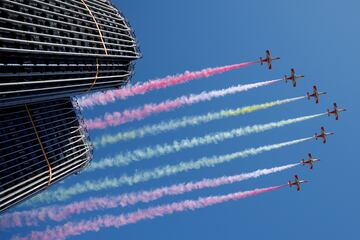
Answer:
(336, 111)
(323, 135)
(315, 94)
(268, 59)
(310, 161)
(297, 182)
(293, 77)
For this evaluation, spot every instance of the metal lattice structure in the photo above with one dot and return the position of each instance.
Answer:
(40, 144)
(50, 51)
(56, 48)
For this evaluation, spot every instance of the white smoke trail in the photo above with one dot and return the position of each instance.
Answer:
(62, 193)
(126, 158)
(173, 124)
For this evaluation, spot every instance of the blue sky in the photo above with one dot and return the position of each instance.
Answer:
(319, 39)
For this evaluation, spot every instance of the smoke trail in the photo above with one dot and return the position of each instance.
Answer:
(59, 213)
(62, 194)
(169, 125)
(158, 150)
(106, 221)
(123, 93)
(117, 118)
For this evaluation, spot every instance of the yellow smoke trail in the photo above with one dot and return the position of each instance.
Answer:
(173, 124)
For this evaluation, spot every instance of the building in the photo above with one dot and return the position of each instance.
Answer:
(40, 144)
(50, 51)
(58, 48)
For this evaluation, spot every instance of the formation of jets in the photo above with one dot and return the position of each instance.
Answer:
(309, 161)
(315, 94)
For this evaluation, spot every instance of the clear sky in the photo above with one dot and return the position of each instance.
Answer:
(319, 39)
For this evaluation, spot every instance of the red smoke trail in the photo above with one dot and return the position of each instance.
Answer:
(117, 118)
(59, 213)
(112, 95)
(106, 221)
